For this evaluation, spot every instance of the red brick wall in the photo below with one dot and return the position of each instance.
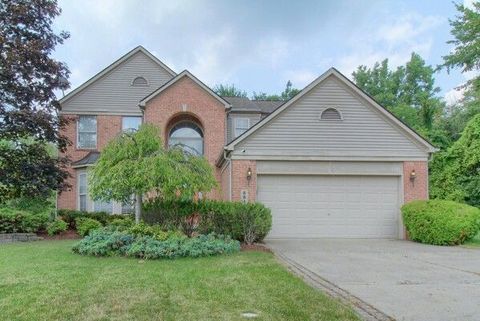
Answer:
(107, 128)
(187, 99)
(240, 182)
(417, 189)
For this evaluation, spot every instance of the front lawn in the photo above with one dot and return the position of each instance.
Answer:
(46, 281)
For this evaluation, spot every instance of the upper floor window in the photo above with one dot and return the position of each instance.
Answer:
(188, 136)
(139, 81)
(131, 123)
(241, 126)
(330, 114)
(87, 132)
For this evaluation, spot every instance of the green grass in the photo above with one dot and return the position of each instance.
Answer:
(46, 281)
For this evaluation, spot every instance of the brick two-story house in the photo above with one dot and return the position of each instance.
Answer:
(328, 162)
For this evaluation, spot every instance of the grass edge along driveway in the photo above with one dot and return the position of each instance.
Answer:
(46, 281)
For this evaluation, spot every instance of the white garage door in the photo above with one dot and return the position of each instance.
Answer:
(315, 206)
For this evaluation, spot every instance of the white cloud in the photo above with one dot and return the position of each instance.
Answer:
(301, 78)
(395, 39)
(454, 96)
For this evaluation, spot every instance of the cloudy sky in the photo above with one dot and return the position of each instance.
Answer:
(257, 45)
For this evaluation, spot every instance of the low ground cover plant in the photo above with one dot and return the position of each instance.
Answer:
(441, 222)
(110, 242)
(247, 223)
(56, 227)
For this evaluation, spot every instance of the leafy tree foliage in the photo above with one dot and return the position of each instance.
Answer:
(409, 92)
(466, 31)
(455, 173)
(137, 163)
(229, 91)
(28, 105)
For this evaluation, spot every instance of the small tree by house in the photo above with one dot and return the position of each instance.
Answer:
(137, 163)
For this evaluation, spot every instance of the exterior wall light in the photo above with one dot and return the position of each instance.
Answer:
(413, 175)
(249, 174)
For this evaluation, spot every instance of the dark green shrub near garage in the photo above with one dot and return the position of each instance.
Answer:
(440, 222)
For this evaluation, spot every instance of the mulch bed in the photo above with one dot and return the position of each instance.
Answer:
(67, 235)
(255, 247)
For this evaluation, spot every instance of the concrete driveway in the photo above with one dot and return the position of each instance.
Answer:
(405, 280)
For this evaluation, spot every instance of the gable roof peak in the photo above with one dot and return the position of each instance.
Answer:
(184, 73)
(114, 65)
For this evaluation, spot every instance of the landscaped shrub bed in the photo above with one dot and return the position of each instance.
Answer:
(85, 225)
(440, 222)
(70, 216)
(248, 222)
(20, 221)
(111, 242)
(56, 227)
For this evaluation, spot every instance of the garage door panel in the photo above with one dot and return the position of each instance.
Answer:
(306, 206)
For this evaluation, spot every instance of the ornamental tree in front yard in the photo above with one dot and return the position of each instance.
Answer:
(137, 163)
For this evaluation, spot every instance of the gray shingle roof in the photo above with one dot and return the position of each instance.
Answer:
(259, 106)
(89, 159)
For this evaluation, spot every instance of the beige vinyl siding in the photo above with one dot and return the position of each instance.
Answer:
(253, 117)
(114, 93)
(299, 132)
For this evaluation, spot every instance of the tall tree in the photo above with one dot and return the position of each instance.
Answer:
(29, 77)
(455, 173)
(466, 31)
(408, 91)
(229, 91)
(137, 163)
(466, 56)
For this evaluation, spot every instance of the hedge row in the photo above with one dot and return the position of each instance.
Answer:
(20, 221)
(248, 222)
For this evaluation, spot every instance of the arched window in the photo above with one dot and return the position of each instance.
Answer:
(139, 81)
(330, 114)
(188, 136)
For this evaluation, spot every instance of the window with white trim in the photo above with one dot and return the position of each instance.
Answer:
(87, 132)
(131, 123)
(82, 191)
(241, 126)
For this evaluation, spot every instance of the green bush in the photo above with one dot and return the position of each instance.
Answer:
(56, 227)
(19, 221)
(85, 225)
(440, 222)
(105, 242)
(70, 216)
(153, 231)
(248, 223)
(121, 224)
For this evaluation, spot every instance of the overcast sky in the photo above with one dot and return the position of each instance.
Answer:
(257, 45)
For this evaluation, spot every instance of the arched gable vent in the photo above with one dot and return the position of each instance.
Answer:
(139, 81)
(331, 114)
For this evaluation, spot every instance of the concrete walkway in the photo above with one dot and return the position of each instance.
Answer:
(405, 280)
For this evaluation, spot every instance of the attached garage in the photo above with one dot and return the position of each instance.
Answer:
(317, 206)
(330, 162)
